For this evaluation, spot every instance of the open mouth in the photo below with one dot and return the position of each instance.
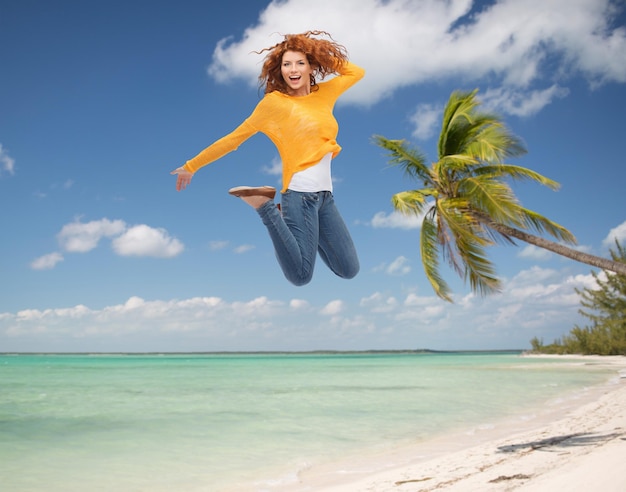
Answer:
(295, 78)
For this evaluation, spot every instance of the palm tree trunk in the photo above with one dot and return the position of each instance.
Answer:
(559, 249)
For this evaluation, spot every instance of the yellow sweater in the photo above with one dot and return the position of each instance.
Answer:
(303, 128)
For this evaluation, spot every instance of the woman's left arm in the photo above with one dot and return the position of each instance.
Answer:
(349, 69)
(349, 74)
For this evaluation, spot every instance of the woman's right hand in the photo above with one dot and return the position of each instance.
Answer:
(183, 178)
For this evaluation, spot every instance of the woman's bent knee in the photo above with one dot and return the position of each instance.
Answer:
(299, 281)
(351, 273)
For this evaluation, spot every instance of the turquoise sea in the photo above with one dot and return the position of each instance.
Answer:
(208, 422)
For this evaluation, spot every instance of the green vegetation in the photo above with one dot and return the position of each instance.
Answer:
(466, 202)
(605, 307)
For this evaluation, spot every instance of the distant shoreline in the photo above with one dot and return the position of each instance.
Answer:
(271, 352)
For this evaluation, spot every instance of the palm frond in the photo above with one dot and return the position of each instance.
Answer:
(462, 123)
(490, 141)
(453, 222)
(466, 247)
(456, 214)
(445, 237)
(458, 162)
(429, 250)
(449, 170)
(400, 153)
(411, 202)
(456, 115)
(491, 197)
(480, 134)
(497, 201)
(541, 224)
(517, 173)
(479, 271)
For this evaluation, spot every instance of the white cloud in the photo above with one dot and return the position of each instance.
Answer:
(333, 308)
(415, 307)
(298, 304)
(544, 287)
(46, 262)
(260, 306)
(528, 48)
(396, 220)
(143, 240)
(275, 169)
(535, 303)
(79, 237)
(617, 233)
(7, 163)
(532, 252)
(244, 248)
(533, 275)
(379, 303)
(426, 119)
(520, 103)
(399, 266)
(419, 301)
(138, 240)
(217, 245)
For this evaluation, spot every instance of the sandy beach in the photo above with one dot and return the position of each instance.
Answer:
(580, 449)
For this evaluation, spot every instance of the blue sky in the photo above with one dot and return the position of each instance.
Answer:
(99, 101)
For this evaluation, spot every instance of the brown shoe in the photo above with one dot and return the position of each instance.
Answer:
(240, 191)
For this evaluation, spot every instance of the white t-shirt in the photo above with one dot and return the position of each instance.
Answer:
(315, 178)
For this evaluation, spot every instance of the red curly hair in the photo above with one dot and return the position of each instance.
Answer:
(325, 57)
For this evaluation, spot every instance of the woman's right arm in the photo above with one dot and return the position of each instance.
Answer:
(212, 153)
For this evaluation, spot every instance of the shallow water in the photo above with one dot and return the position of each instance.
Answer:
(206, 422)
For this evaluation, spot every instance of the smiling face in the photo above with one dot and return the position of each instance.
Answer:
(296, 72)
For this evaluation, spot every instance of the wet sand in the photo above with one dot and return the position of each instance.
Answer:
(579, 449)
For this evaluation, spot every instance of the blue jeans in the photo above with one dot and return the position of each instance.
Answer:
(310, 222)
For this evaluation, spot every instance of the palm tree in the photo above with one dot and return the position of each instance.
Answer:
(466, 202)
